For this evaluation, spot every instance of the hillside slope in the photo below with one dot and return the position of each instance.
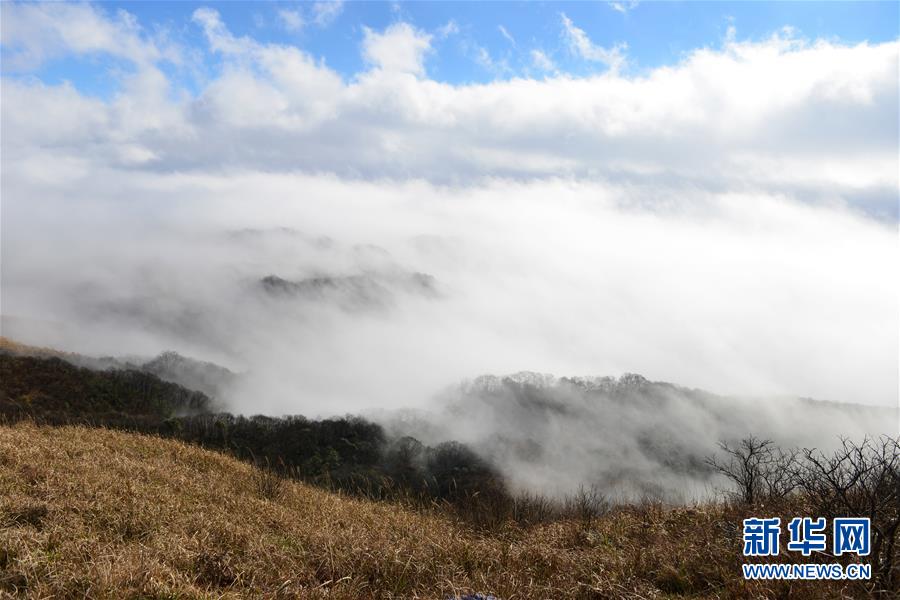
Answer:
(54, 390)
(105, 514)
(209, 378)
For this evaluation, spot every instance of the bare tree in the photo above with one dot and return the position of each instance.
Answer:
(779, 473)
(586, 504)
(860, 480)
(757, 467)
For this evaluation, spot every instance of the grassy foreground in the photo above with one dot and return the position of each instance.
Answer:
(104, 514)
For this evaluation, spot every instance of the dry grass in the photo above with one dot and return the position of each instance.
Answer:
(103, 514)
(13, 347)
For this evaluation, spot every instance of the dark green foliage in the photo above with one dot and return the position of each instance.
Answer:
(333, 451)
(348, 453)
(455, 471)
(404, 460)
(55, 391)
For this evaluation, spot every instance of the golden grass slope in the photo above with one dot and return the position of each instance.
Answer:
(17, 348)
(94, 513)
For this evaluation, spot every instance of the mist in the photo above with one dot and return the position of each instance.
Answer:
(736, 294)
(363, 243)
(627, 437)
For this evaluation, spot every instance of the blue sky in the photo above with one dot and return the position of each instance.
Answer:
(489, 41)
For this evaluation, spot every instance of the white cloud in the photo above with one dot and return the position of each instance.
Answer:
(483, 58)
(581, 45)
(325, 13)
(624, 6)
(67, 117)
(217, 34)
(32, 33)
(541, 61)
(400, 48)
(291, 20)
(506, 35)
(447, 29)
(730, 117)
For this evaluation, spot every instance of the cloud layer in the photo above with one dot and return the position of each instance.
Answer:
(749, 294)
(817, 120)
(726, 222)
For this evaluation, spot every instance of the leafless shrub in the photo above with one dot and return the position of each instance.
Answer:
(860, 480)
(857, 480)
(778, 476)
(758, 468)
(586, 504)
(533, 509)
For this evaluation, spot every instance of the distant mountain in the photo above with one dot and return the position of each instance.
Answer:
(632, 436)
(353, 293)
(206, 377)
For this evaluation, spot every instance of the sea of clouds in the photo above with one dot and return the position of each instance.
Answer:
(728, 222)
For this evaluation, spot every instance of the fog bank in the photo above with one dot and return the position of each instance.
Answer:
(392, 290)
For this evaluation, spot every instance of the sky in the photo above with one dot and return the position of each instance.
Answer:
(471, 42)
(703, 193)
